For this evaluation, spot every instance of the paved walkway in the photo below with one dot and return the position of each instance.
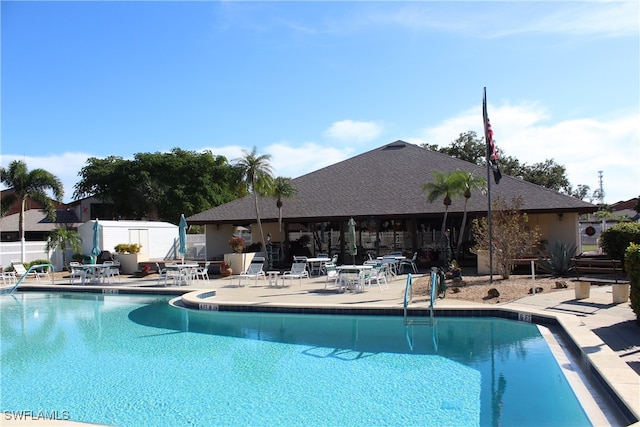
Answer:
(606, 333)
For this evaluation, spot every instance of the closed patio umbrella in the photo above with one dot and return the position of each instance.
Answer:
(353, 248)
(182, 234)
(96, 250)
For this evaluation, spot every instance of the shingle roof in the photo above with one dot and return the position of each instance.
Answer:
(386, 181)
(36, 220)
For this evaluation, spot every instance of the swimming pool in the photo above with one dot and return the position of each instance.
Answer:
(135, 360)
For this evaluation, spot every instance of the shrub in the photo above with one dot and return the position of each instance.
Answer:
(127, 248)
(512, 234)
(615, 240)
(559, 261)
(632, 266)
(237, 244)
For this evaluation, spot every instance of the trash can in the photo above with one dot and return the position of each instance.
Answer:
(87, 259)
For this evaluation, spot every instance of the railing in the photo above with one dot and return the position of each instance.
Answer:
(33, 267)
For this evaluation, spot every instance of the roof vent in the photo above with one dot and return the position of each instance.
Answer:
(395, 145)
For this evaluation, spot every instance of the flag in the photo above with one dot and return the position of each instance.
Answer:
(492, 153)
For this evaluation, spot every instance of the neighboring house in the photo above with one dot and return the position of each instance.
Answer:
(36, 224)
(382, 190)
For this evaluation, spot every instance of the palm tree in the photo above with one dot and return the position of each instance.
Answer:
(30, 185)
(64, 238)
(282, 187)
(468, 183)
(257, 176)
(447, 185)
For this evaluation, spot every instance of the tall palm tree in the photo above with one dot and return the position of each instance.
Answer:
(282, 187)
(469, 183)
(30, 185)
(64, 238)
(257, 176)
(447, 185)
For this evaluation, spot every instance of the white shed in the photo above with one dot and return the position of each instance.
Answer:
(158, 240)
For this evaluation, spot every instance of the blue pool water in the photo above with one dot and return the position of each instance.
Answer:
(135, 360)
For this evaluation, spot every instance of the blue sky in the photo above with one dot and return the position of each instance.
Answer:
(314, 83)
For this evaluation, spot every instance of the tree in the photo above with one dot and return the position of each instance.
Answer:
(472, 149)
(30, 185)
(282, 187)
(512, 236)
(443, 185)
(469, 183)
(258, 178)
(159, 185)
(64, 238)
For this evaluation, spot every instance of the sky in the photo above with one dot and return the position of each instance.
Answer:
(314, 83)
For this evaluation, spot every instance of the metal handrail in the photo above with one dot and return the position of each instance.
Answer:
(33, 267)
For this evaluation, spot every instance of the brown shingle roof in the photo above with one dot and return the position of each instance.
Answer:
(386, 181)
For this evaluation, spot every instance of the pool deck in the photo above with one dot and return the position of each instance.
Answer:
(605, 334)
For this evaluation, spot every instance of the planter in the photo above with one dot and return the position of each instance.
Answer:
(239, 262)
(226, 272)
(129, 262)
(582, 289)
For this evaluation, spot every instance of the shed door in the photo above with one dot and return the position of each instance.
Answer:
(141, 237)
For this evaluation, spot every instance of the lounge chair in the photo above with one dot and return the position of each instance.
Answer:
(298, 271)
(18, 267)
(255, 271)
(331, 273)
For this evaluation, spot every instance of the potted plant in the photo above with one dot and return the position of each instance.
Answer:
(237, 244)
(225, 269)
(128, 255)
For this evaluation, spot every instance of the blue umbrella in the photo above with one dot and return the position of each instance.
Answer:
(353, 248)
(182, 232)
(96, 250)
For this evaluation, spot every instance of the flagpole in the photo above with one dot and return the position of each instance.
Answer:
(488, 154)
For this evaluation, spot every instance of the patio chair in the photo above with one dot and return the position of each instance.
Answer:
(162, 274)
(202, 273)
(379, 276)
(409, 263)
(77, 272)
(298, 271)
(109, 271)
(9, 277)
(255, 271)
(331, 273)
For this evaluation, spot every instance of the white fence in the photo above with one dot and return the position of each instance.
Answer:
(12, 251)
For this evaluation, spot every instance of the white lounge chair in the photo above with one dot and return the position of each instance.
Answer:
(298, 271)
(255, 271)
(20, 270)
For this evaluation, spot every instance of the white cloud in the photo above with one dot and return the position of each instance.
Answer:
(65, 166)
(584, 145)
(294, 160)
(353, 131)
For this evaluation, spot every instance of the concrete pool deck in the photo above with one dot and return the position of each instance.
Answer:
(605, 334)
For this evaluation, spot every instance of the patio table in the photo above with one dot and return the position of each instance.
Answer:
(314, 265)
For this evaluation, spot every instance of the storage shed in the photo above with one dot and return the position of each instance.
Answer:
(158, 240)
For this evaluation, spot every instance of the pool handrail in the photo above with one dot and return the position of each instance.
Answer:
(33, 267)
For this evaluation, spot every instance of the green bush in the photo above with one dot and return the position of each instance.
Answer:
(632, 266)
(615, 240)
(36, 262)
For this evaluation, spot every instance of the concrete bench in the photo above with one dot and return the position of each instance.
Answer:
(600, 271)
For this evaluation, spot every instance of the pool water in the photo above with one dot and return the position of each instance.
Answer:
(135, 360)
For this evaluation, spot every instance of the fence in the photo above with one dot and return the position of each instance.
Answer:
(12, 251)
